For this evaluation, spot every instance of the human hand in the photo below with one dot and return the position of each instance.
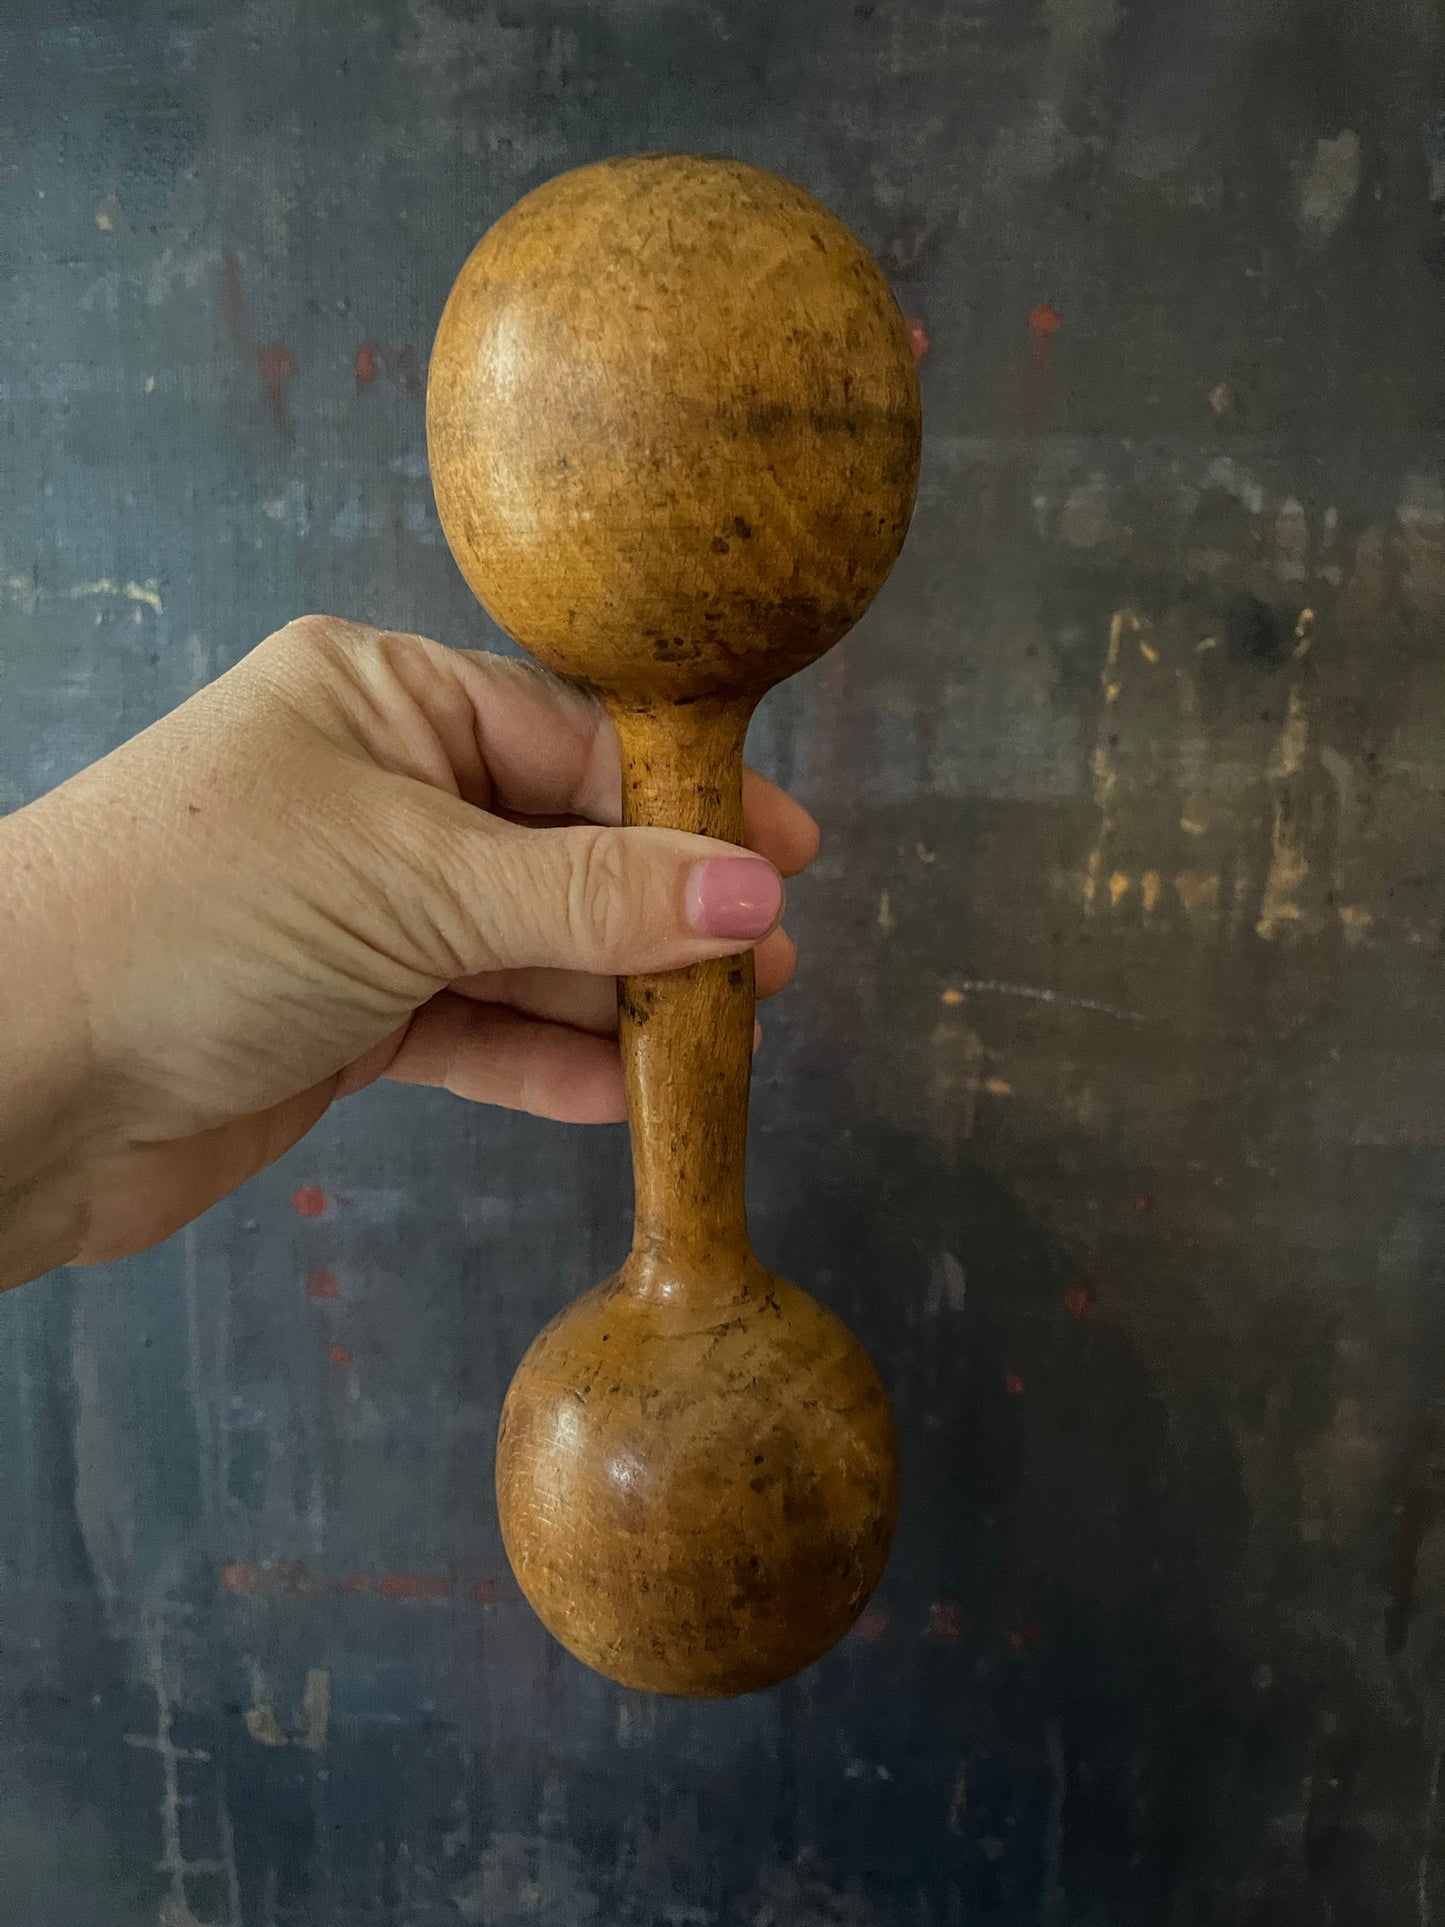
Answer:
(356, 855)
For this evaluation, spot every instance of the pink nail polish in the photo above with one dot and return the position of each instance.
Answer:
(734, 896)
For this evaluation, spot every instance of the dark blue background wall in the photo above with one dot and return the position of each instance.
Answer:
(1109, 1104)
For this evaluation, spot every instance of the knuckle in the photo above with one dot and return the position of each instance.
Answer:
(310, 635)
(308, 646)
(600, 907)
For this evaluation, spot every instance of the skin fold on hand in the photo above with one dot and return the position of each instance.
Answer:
(355, 855)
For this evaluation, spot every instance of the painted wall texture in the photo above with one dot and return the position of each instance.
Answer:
(1109, 1105)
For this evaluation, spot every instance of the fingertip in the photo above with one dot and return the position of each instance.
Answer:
(807, 840)
(778, 826)
(774, 961)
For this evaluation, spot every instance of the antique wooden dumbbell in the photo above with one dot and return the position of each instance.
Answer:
(674, 432)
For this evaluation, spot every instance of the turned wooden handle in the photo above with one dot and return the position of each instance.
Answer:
(687, 1035)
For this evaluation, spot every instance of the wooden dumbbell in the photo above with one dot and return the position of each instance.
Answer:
(674, 432)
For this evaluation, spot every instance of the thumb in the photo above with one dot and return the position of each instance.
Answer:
(611, 902)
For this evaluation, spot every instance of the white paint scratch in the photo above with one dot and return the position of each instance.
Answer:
(947, 1284)
(175, 1909)
(196, 1388)
(1225, 473)
(987, 986)
(958, 1798)
(1085, 521)
(24, 592)
(1330, 182)
(1292, 540)
(1104, 765)
(143, 592)
(1289, 865)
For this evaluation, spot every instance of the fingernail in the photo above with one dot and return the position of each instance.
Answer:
(734, 896)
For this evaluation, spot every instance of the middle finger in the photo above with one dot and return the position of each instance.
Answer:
(590, 1003)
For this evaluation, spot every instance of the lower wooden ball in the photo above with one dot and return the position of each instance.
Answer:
(697, 1501)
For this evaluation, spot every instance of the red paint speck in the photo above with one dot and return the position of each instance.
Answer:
(1141, 1205)
(1044, 324)
(1014, 1385)
(414, 1585)
(356, 1582)
(1077, 1300)
(1027, 1635)
(339, 1355)
(944, 1620)
(309, 1201)
(290, 1577)
(917, 338)
(322, 1284)
(485, 1591)
(873, 1624)
(366, 364)
(277, 365)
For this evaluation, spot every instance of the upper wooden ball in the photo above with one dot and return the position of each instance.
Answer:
(673, 424)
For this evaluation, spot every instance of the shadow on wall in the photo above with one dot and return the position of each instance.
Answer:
(1050, 1657)
(1051, 1686)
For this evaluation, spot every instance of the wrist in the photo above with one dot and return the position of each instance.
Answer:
(51, 1134)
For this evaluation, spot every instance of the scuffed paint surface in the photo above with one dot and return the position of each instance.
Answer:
(1110, 1103)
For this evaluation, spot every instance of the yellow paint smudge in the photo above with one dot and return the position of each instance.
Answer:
(1149, 890)
(1330, 182)
(1289, 752)
(1304, 631)
(146, 593)
(1192, 826)
(1117, 623)
(260, 1716)
(1356, 922)
(951, 997)
(21, 590)
(885, 914)
(1102, 764)
(1196, 892)
(1118, 888)
(998, 1087)
(1148, 652)
(1209, 642)
(266, 1729)
(1289, 865)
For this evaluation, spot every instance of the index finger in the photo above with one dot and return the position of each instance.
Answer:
(550, 751)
